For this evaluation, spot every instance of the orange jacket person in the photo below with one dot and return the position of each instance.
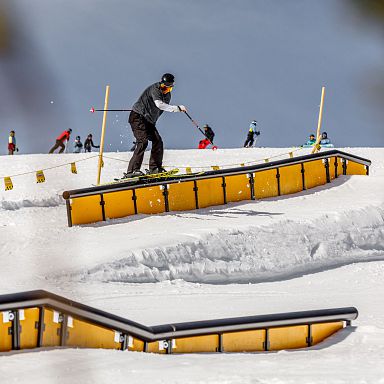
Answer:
(64, 136)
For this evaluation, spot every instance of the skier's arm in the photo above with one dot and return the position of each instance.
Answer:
(169, 108)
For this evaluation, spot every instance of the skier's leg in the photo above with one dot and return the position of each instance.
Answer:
(251, 142)
(54, 147)
(157, 152)
(62, 146)
(140, 132)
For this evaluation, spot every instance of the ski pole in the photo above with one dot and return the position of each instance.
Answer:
(214, 147)
(93, 110)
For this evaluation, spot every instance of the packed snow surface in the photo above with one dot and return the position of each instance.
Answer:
(320, 248)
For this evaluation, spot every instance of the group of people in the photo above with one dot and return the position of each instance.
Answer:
(324, 140)
(64, 137)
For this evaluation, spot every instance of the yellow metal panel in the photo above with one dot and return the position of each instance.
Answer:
(87, 335)
(5, 338)
(322, 331)
(181, 196)
(51, 333)
(208, 343)
(314, 173)
(150, 200)
(85, 210)
(210, 192)
(266, 184)
(354, 168)
(291, 179)
(288, 337)
(137, 345)
(118, 204)
(331, 162)
(245, 341)
(237, 188)
(154, 347)
(29, 331)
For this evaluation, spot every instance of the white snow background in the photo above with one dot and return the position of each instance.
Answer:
(321, 248)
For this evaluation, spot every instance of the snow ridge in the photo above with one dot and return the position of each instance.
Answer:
(281, 250)
(45, 202)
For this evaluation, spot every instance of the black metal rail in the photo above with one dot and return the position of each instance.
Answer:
(40, 298)
(211, 174)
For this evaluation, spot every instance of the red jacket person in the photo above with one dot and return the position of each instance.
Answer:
(64, 136)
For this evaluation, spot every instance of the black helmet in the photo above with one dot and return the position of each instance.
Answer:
(69, 130)
(77, 137)
(90, 135)
(168, 79)
(324, 134)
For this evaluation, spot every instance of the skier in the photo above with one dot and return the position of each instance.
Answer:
(312, 140)
(12, 143)
(64, 136)
(324, 139)
(88, 144)
(77, 145)
(209, 133)
(251, 132)
(145, 113)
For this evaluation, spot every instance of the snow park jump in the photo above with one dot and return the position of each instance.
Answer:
(206, 189)
(37, 319)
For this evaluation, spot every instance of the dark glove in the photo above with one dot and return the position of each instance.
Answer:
(257, 133)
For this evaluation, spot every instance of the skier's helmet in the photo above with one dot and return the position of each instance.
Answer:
(311, 136)
(69, 130)
(324, 135)
(167, 79)
(77, 137)
(254, 122)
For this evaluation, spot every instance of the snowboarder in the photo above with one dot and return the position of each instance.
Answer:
(12, 143)
(77, 145)
(312, 140)
(88, 144)
(143, 117)
(64, 136)
(251, 133)
(209, 133)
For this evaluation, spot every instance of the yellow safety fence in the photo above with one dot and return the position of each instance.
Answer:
(40, 319)
(212, 188)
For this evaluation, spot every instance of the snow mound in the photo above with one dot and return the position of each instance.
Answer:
(282, 250)
(46, 202)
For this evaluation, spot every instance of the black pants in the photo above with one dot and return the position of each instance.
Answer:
(143, 131)
(249, 141)
(58, 144)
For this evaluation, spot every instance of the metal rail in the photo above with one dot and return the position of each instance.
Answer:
(61, 304)
(212, 174)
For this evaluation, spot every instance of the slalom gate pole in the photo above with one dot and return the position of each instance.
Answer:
(100, 165)
(214, 147)
(318, 137)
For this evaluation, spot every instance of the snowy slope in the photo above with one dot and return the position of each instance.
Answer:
(331, 231)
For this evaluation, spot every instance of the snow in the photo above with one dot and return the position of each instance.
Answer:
(320, 248)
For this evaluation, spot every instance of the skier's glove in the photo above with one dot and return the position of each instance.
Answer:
(17, 149)
(182, 108)
(257, 133)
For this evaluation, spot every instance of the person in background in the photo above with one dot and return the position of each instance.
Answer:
(324, 139)
(312, 140)
(63, 137)
(209, 134)
(251, 133)
(77, 145)
(12, 143)
(88, 144)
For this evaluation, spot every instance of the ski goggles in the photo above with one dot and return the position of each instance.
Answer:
(166, 88)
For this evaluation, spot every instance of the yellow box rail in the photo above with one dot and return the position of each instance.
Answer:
(38, 319)
(212, 188)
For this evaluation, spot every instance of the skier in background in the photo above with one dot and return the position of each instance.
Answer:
(64, 136)
(88, 144)
(324, 139)
(12, 143)
(143, 117)
(77, 145)
(312, 140)
(209, 133)
(251, 133)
